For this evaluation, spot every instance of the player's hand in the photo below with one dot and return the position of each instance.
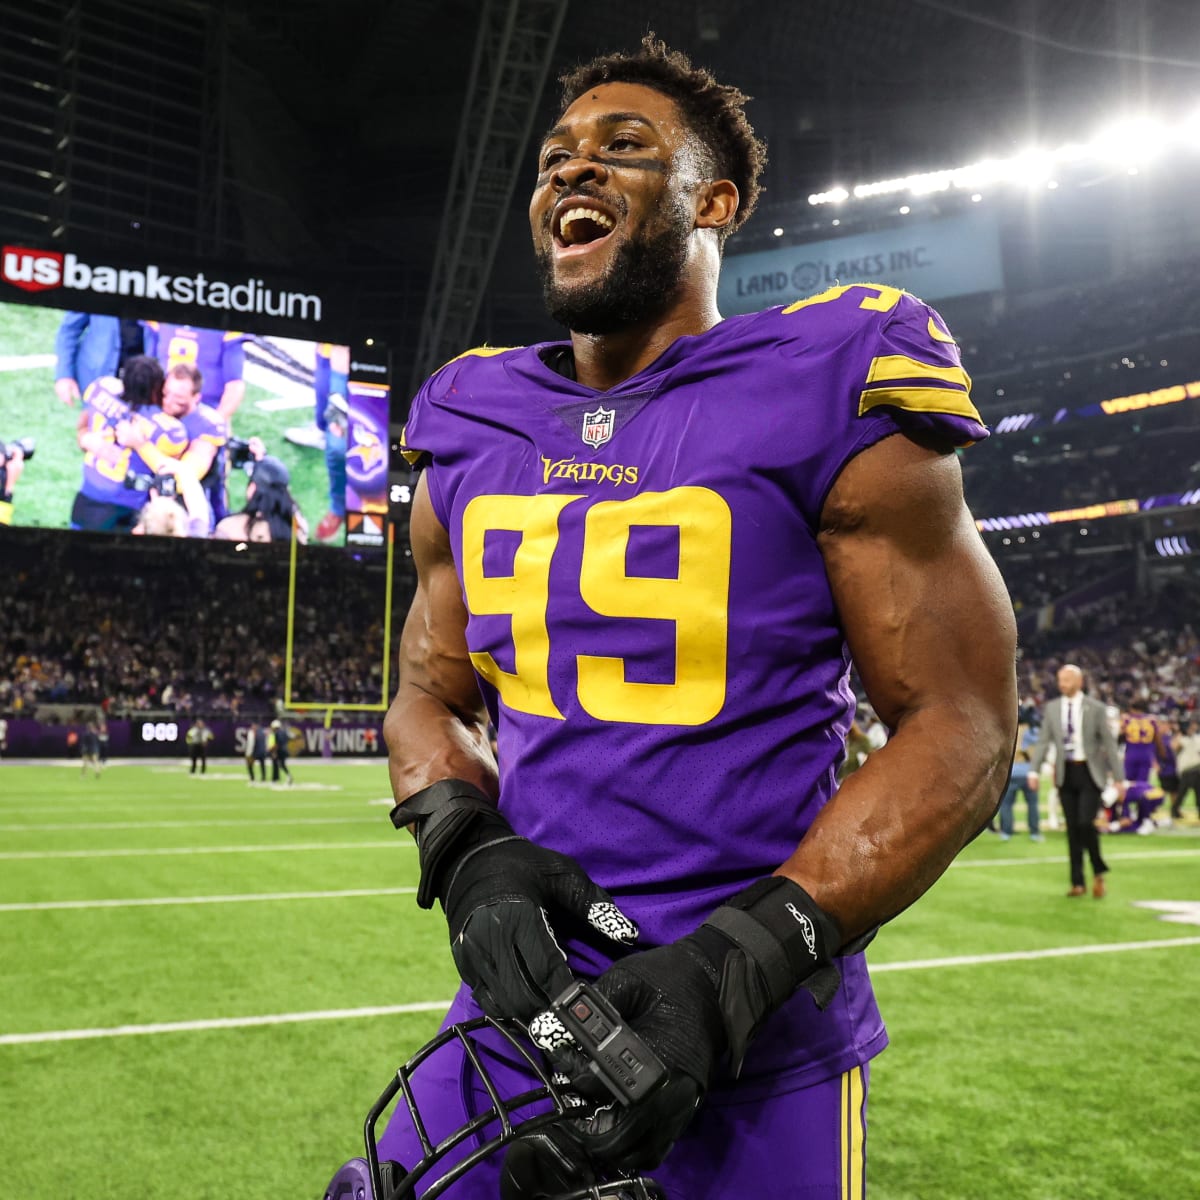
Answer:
(504, 899)
(1033, 779)
(257, 447)
(669, 997)
(67, 390)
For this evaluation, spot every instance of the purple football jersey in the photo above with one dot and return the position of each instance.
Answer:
(219, 354)
(1141, 734)
(649, 613)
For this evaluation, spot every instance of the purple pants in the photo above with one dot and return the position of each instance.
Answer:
(806, 1144)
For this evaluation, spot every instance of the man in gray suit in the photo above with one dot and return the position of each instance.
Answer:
(1085, 755)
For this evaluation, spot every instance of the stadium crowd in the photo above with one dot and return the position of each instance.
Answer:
(91, 622)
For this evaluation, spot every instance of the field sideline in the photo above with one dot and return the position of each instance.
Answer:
(206, 983)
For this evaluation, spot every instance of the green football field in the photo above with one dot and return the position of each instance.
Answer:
(194, 971)
(29, 408)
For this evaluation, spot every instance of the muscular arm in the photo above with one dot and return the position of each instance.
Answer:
(932, 633)
(232, 396)
(198, 457)
(436, 727)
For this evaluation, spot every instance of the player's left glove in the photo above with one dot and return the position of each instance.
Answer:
(703, 996)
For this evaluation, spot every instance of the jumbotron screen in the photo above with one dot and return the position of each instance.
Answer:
(86, 442)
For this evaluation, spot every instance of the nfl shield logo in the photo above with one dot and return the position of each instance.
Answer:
(598, 426)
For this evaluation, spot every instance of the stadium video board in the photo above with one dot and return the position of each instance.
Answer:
(91, 452)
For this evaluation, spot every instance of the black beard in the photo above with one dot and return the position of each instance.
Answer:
(638, 286)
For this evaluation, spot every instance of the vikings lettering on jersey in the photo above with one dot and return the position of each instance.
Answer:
(648, 610)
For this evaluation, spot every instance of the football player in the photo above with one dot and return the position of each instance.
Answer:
(647, 553)
(207, 433)
(116, 477)
(218, 354)
(1133, 810)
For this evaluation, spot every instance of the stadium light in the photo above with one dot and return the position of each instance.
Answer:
(1130, 142)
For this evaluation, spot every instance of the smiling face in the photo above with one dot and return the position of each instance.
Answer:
(615, 208)
(180, 396)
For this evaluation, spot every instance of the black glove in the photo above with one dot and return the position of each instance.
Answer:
(499, 892)
(691, 1002)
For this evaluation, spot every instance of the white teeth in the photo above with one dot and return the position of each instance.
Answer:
(584, 214)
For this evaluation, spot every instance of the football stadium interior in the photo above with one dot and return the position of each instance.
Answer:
(208, 973)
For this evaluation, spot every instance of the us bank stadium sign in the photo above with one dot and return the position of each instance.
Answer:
(77, 281)
(956, 256)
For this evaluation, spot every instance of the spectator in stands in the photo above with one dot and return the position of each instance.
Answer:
(1086, 755)
(270, 509)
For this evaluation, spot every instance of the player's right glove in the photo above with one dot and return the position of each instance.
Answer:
(500, 893)
(693, 1001)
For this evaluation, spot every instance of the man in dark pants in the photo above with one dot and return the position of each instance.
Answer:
(256, 751)
(279, 752)
(197, 740)
(1085, 755)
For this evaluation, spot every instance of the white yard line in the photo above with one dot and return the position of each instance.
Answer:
(332, 1014)
(249, 805)
(1058, 859)
(280, 819)
(162, 901)
(974, 960)
(141, 851)
(347, 1014)
(26, 362)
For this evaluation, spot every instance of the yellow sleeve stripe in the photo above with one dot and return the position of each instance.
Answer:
(412, 457)
(891, 368)
(479, 352)
(920, 399)
(6, 511)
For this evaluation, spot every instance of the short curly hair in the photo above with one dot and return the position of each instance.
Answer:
(714, 111)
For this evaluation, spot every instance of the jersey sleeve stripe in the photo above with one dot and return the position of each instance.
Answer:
(892, 368)
(410, 456)
(950, 401)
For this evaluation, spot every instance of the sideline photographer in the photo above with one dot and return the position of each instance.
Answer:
(178, 506)
(270, 508)
(13, 458)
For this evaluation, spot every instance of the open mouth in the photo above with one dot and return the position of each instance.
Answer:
(580, 225)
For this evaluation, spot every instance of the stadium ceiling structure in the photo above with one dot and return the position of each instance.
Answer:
(325, 136)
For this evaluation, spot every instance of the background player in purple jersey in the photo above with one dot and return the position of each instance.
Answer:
(117, 477)
(218, 354)
(207, 434)
(648, 555)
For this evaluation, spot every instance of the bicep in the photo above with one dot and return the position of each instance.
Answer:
(433, 646)
(924, 609)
